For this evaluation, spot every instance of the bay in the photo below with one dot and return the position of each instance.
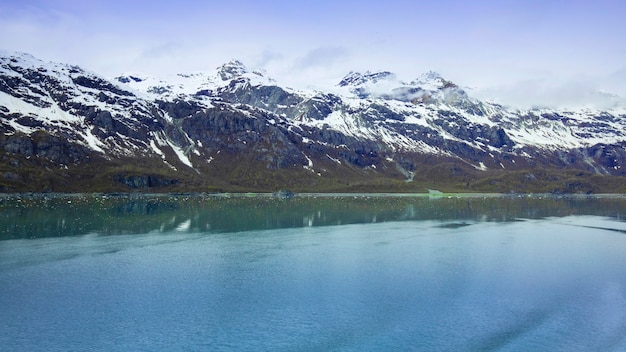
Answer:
(314, 273)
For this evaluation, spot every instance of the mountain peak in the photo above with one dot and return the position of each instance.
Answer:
(19, 58)
(357, 78)
(16, 54)
(231, 69)
(430, 76)
(433, 81)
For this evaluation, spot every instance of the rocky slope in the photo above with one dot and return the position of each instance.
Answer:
(63, 128)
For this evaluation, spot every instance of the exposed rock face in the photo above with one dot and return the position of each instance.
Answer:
(373, 127)
(144, 181)
(232, 69)
(43, 145)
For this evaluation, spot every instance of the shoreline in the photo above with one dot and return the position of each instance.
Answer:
(289, 195)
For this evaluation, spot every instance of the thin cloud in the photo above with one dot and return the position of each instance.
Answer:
(321, 57)
(160, 51)
(267, 58)
(551, 93)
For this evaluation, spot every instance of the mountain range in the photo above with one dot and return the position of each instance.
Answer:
(66, 129)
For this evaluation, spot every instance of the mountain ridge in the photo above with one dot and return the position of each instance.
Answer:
(239, 130)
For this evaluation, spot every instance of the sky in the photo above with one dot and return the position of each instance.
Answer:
(519, 53)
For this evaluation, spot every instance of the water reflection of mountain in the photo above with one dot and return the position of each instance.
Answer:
(51, 216)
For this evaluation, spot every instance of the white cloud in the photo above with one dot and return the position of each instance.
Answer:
(553, 93)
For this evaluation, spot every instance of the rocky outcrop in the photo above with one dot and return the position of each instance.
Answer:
(43, 145)
(144, 181)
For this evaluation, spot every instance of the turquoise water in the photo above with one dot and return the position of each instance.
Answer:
(88, 273)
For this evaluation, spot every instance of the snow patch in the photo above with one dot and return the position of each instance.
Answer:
(481, 166)
(156, 149)
(92, 142)
(310, 165)
(333, 159)
(180, 154)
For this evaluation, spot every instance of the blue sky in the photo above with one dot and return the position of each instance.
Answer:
(515, 52)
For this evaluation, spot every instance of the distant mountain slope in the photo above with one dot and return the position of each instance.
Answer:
(66, 129)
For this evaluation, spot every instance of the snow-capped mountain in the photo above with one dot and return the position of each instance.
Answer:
(64, 128)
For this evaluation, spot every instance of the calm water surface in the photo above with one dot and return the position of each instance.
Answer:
(94, 273)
